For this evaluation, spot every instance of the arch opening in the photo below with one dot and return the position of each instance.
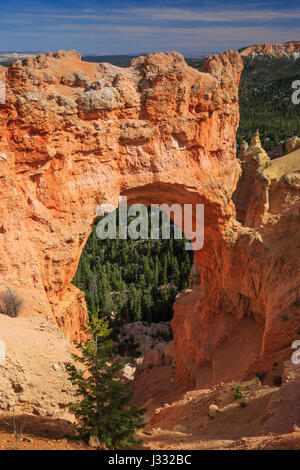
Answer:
(136, 279)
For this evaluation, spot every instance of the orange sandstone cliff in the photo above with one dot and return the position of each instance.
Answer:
(74, 135)
(287, 49)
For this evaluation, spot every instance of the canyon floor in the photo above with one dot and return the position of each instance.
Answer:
(179, 441)
(264, 417)
(232, 428)
(247, 423)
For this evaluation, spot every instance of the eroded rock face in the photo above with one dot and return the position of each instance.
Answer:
(252, 309)
(292, 144)
(149, 345)
(33, 377)
(2, 71)
(286, 49)
(76, 135)
(283, 411)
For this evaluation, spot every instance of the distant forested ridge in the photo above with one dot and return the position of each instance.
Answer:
(265, 99)
(119, 60)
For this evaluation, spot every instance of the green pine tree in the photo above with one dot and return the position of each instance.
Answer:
(104, 406)
(108, 269)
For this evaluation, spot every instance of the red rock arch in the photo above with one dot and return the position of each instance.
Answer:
(78, 134)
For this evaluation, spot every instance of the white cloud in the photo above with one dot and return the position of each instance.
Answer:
(220, 16)
(228, 14)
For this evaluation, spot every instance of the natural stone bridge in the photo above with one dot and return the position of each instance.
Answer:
(74, 135)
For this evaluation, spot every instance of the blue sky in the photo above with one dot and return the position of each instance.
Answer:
(130, 27)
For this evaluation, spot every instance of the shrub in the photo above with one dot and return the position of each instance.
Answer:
(10, 303)
(238, 393)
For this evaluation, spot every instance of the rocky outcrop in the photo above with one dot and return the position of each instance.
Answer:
(289, 49)
(75, 135)
(2, 85)
(144, 336)
(147, 345)
(283, 411)
(251, 195)
(259, 314)
(293, 143)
